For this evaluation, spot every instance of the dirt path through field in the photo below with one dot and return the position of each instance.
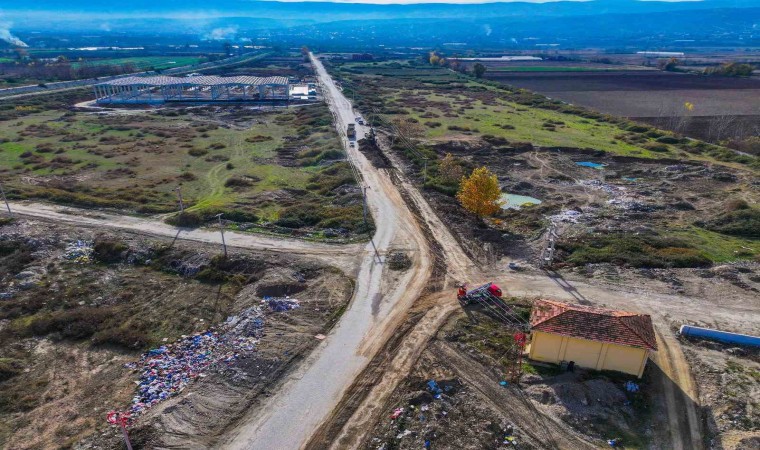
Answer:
(342, 256)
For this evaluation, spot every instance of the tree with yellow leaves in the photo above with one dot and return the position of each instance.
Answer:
(479, 193)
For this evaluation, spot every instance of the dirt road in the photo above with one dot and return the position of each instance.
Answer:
(380, 301)
(345, 257)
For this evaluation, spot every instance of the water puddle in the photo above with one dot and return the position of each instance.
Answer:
(590, 164)
(514, 201)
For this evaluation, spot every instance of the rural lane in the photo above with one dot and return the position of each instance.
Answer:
(381, 298)
(343, 256)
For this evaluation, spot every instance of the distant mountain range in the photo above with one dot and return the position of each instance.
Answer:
(731, 22)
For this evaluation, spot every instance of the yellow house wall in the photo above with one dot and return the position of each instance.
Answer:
(596, 355)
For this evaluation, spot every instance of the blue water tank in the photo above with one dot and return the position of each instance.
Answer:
(721, 336)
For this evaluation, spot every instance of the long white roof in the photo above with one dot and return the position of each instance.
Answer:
(202, 80)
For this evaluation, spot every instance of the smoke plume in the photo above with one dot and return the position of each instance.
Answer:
(5, 35)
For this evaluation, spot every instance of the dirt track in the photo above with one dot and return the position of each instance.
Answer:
(378, 305)
(342, 256)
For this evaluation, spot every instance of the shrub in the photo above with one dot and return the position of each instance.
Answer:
(634, 251)
(740, 222)
(668, 140)
(197, 152)
(80, 323)
(9, 368)
(122, 337)
(187, 219)
(656, 147)
(108, 250)
(238, 182)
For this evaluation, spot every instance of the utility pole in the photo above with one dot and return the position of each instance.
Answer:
(2, 192)
(221, 230)
(179, 195)
(364, 205)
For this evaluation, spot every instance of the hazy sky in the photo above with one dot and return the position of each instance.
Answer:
(387, 2)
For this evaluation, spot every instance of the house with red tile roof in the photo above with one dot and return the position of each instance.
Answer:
(595, 338)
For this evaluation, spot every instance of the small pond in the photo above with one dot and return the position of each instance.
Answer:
(593, 165)
(514, 201)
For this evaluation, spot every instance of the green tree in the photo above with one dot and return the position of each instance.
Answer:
(479, 193)
(479, 70)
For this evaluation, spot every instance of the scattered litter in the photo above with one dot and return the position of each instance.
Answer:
(434, 388)
(79, 252)
(403, 434)
(397, 413)
(630, 386)
(281, 303)
(568, 215)
(321, 337)
(613, 442)
(167, 370)
(503, 383)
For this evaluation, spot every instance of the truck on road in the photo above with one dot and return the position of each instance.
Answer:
(351, 131)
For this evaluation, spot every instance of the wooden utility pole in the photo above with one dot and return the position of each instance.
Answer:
(2, 192)
(179, 195)
(221, 230)
(364, 205)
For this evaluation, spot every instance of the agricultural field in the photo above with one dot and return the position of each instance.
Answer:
(146, 62)
(620, 193)
(496, 67)
(261, 168)
(80, 308)
(655, 97)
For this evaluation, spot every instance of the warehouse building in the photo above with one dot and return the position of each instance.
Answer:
(199, 89)
(594, 338)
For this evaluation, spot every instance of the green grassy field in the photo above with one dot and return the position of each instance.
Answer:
(145, 62)
(550, 69)
(451, 106)
(279, 167)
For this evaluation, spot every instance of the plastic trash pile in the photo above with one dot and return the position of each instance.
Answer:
(79, 252)
(630, 386)
(567, 215)
(167, 370)
(281, 303)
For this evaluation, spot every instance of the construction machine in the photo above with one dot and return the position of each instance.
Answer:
(489, 298)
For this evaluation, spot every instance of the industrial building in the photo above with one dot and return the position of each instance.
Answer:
(200, 89)
(594, 338)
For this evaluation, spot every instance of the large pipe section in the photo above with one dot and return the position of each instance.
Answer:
(720, 336)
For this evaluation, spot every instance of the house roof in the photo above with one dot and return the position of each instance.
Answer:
(596, 324)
